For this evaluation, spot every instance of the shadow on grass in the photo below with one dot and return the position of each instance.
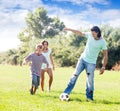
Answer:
(97, 101)
(108, 102)
(55, 95)
(52, 94)
(76, 99)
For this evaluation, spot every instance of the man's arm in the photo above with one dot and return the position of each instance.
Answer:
(105, 59)
(74, 31)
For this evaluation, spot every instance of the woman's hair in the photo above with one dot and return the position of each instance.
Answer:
(97, 30)
(44, 42)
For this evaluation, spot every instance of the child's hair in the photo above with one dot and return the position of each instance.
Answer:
(97, 30)
(38, 45)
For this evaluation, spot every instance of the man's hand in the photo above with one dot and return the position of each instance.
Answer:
(102, 70)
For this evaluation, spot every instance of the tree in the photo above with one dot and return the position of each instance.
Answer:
(42, 26)
(39, 26)
(112, 37)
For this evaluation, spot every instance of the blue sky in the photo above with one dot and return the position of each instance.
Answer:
(78, 14)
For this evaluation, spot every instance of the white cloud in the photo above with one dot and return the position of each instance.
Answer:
(81, 2)
(85, 19)
(110, 14)
(74, 21)
(8, 39)
(23, 4)
(98, 16)
(114, 23)
(68, 17)
(10, 26)
(13, 21)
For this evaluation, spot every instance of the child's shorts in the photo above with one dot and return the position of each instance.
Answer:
(35, 80)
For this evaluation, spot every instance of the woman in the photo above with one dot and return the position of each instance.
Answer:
(47, 53)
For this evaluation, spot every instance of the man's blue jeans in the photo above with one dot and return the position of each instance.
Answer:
(90, 68)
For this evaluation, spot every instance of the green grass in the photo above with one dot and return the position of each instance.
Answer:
(15, 83)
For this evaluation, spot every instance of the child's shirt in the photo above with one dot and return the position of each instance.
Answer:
(37, 61)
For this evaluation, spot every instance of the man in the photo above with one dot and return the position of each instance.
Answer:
(87, 61)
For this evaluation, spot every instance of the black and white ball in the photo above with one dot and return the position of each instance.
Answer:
(64, 97)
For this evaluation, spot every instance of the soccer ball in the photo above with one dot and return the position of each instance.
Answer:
(64, 97)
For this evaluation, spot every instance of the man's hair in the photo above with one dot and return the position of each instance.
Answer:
(97, 30)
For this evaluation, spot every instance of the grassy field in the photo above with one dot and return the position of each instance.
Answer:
(15, 83)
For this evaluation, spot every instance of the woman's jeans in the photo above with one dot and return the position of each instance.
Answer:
(90, 68)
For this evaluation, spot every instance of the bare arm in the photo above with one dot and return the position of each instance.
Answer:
(74, 31)
(27, 59)
(52, 61)
(25, 62)
(105, 59)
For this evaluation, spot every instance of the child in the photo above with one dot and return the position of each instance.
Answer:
(37, 59)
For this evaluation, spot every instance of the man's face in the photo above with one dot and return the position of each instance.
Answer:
(94, 34)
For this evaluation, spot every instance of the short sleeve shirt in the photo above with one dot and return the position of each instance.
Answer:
(37, 61)
(92, 49)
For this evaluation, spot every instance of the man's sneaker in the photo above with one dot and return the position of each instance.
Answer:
(89, 100)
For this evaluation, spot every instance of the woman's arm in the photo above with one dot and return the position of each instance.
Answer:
(52, 61)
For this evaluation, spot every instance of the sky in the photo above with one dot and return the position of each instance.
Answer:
(76, 14)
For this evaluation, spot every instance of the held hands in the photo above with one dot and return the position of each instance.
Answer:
(102, 70)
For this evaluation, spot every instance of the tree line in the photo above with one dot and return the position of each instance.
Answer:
(66, 48)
